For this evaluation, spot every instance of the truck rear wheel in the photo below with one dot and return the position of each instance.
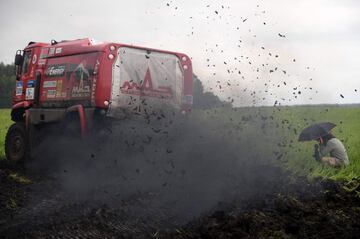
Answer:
(16, 143)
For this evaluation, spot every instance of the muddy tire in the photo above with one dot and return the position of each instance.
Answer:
(16, 143)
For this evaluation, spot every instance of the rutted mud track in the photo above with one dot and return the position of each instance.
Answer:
(293, 210)
(184, 182)
(320, 210)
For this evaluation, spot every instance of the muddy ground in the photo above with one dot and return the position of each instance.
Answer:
(144, 183)
(291, 209)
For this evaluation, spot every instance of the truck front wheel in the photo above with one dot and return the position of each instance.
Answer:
(16, 142)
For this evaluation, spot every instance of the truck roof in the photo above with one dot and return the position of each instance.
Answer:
(83, 46)
(70, 47)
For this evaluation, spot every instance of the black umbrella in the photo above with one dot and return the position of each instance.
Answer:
(316, 131)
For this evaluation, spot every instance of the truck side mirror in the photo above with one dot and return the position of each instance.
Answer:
(18, 58)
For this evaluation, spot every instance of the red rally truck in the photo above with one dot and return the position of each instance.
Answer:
(89, 79)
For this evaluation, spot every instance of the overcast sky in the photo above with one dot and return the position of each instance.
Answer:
(251, 52)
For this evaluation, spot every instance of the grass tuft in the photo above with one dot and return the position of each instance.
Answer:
(19, 178)
(5, 123)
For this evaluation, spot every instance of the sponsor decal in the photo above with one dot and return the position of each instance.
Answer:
(19, 88)
(145, 88)
(51, 93)
(93, 91)
(55, 70)
(49, 84)
(44, 53)
(96, 68)
(58, 50)
(52, 51)
(34, 58)
(30, 93)
(30, 83)
(82, 87)
(80, 90)
(42, 62)
(59, 88)
(18, 91)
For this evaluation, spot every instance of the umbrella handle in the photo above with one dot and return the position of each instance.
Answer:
(321, 140)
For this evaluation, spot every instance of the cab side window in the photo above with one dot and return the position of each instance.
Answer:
(26, 63)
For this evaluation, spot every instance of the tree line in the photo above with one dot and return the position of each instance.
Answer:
(206, 100)
(7, 84)
(202, 100)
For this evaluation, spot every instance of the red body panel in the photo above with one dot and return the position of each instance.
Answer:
(68, 78)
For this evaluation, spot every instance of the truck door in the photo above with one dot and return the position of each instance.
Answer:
(28, 82)
(24, 72)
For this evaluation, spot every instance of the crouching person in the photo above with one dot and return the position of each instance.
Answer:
(331, 151)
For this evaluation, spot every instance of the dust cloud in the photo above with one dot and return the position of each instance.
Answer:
(179, 165)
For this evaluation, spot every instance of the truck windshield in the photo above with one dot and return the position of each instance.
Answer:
(26, 62)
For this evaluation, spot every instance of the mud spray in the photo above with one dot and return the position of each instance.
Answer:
(179, 166)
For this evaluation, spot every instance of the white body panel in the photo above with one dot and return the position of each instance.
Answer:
(144, 81)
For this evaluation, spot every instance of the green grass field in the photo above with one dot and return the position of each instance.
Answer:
(5, 122)
(347, 130)
(280, 126)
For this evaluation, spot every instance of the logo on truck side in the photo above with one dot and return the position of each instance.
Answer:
(145, 88)
(82, 84)
(55, 70)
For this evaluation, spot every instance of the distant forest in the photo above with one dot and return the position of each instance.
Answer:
(202, 100)
(206, 100)
(7, 84)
